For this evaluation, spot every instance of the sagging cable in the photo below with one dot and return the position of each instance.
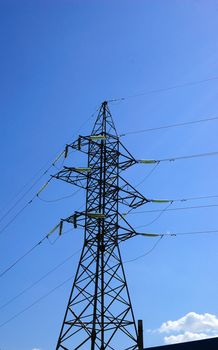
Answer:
(29, 251)
(25, 206)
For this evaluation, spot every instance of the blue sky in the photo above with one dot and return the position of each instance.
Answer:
(59, 60)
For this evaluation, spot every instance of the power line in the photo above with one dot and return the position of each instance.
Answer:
(25, 193)
(34, 247)
(127, 261)
(36, 195)
(58, 156)
(159, 215)
(169, 126)
(58, 286)
(21, 190)
(60, 198)
(24, 207)
(39, 280)
(173, 87)
(146, 253)
(29, 251)
(172, 159)
(22, 257)
(130, 212)
(170, 234)
(175, 209)
(194, 198)
(184, 199)
(208, 154)
(148, 174)
(37, 301)
(193, 233)
(161, 212)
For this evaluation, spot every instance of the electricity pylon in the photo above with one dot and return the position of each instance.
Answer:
(99, 312)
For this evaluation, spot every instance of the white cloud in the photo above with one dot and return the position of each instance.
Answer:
(182, 338)
(36, 349)
(190, 327)
(191, 322)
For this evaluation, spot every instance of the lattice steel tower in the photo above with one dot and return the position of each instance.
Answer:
(99, 313)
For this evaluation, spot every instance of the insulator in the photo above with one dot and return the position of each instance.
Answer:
(75, 221)
(84, 170)
(79, 143)
(97, 137)
(42, 188)
(53, 230)
(160, 201)
(147, 161)
(96, 215)
(66, 151)
(61, 227)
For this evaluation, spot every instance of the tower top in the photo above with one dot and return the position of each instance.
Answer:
(104, 124)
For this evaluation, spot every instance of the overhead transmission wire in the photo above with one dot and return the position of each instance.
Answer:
(60, 198)
(175, 209)
(167, 209)
(151, 129)
(192, 233)
(172, 159)
(26, 192)
(169, 126)
(36, 302)
(125, 262)
(148, 174)
(58, 156)
(36, 195)
(29, 201)
(170, 234)
(146, 253)
(39, 280)
(168, 88)
(138, 161)
(162, 211)
(128, 261)
(28, 252)
(21, 190)
(24, 207)
(161, 236)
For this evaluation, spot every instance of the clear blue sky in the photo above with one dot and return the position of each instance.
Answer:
(59, 60)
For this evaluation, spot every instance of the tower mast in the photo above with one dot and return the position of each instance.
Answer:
(99, 313)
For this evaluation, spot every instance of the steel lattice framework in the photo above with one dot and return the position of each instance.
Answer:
(99, 313)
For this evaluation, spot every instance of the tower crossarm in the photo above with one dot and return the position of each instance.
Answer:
(83, 143)
(129, 196)
(75, 176)
(126, 159)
